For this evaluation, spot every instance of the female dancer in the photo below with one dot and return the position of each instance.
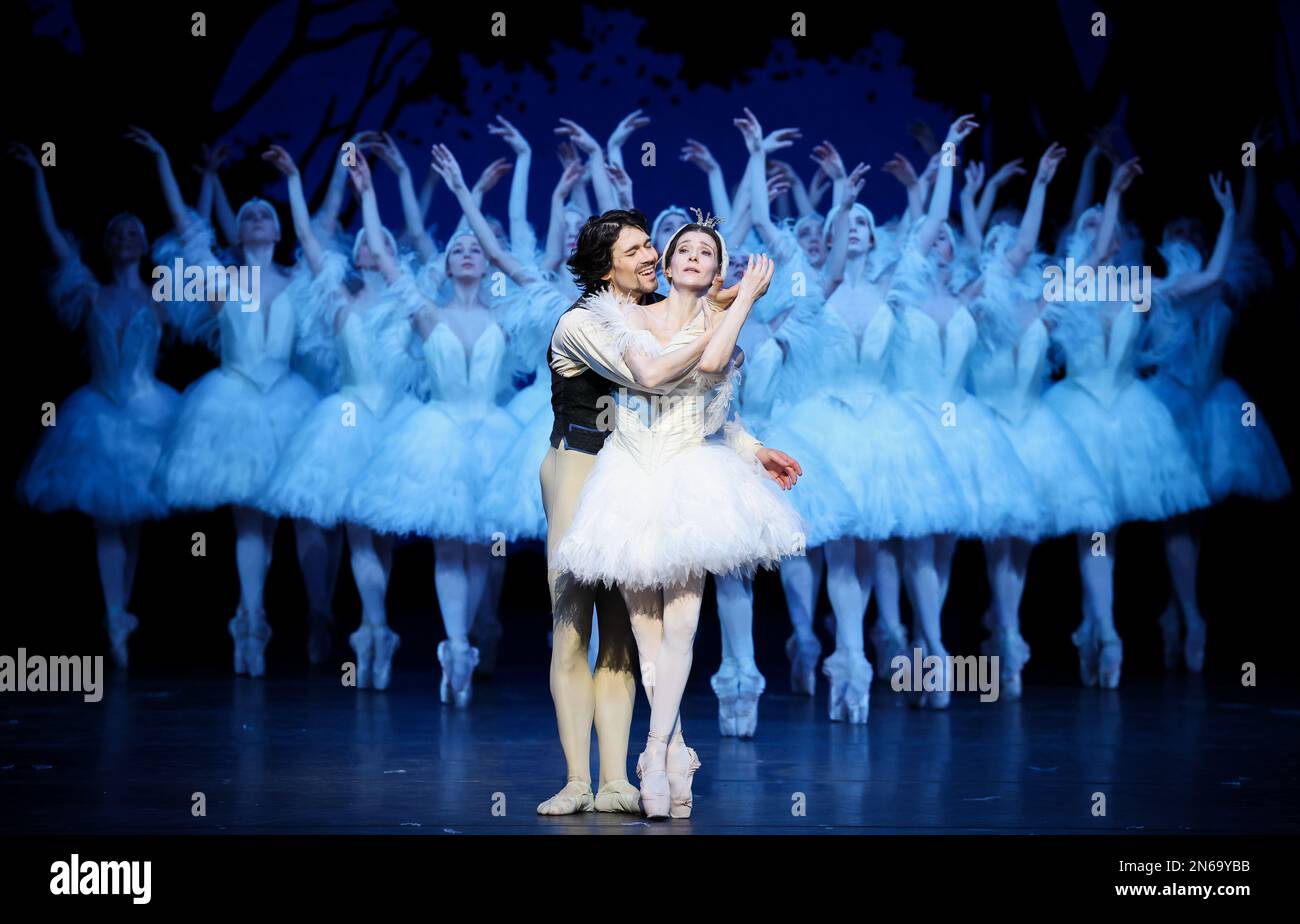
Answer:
(826, 506)
(98, 453)
(236, 420)
(1009, 367)
(936, 333)
(370, 319)
(1125, 429)
(1232, 446)
(667, 501)
(453, 441)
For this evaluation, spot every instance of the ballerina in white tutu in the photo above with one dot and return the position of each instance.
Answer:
(236, 420)
(103, 441)
(1128, 433)
(668, 501)
(1009, 373)
(1228, 438)
(368, 315)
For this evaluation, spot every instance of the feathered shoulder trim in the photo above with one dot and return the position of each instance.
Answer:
(610, 311)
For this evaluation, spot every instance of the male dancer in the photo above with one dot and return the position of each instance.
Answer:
(614, 249)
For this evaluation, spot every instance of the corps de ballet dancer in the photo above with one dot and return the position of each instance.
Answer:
(99, 451)
(365, 306)
(1128, 433)
(235, 421)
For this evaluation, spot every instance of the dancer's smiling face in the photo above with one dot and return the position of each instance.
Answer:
(694, 261)
(465, 258)
(635, 262)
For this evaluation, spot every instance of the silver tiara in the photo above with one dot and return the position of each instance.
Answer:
(709, 222)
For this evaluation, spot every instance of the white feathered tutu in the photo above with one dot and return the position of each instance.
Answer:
(512, 500)
(1238, 452)
(427, 476)
(106, 439)
(703, 510)
(99, 456)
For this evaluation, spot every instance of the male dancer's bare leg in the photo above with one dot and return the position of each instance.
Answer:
(573, 688)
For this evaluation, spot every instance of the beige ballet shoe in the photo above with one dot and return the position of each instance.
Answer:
(619, 796)
(652, 771)
(573, 799)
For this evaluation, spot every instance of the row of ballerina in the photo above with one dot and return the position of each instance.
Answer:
(384, 388)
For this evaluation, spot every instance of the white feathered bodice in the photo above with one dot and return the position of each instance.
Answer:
(122, 330)
(1010, 378)
(466, 381)
(929, 362)
(1100, 349)
(653, 428)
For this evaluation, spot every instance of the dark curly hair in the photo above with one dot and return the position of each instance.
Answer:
(594, 255)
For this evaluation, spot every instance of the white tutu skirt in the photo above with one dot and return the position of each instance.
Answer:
(512, 501)
(1233, 457)
(898, 479)
(1072, 496)
(998, 491)
(822, 501)
(228, 438)
(100, 456)
(427, 477)
(703, 510)
(1136, 448)
(326, 454)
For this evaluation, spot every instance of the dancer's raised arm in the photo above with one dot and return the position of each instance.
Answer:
(44, 208)
(327, 216)
(758, 275)
(1190, 283)
(449, 169)
(901, 169)
(387, 151)
(554, 254)
(605, 198)
(614, 146)
(521, 233)
(991, 189)
(698, 154)
(942, 196)
(376, 240)
(1032, 221)
(280, 159)
(971, 225)
(1120, 181)
(170, 188)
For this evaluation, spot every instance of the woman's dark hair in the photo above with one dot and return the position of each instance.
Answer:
(594, 255)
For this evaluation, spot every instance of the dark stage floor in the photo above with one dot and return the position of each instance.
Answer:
(296, 754)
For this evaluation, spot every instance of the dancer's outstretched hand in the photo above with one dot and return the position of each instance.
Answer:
(280, 159)
(758, 275)
(492, 174)
(1222, 190)
(145, 140)
(23, 154)
(359, 173)
(720, 296)
(444, 164)
(1048, 163)
(780, 467)
(1125, 174)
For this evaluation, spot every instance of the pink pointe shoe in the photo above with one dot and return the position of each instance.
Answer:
(652, 771)
(681, 765)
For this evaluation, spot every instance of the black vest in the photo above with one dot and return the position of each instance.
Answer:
(576, 401)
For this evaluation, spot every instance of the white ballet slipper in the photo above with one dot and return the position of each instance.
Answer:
(320, 639)
(750, 685)
(386, 642)
(850, 695)
(120, 625)
(726, 686)
(458, 663)
(362, 643)
(259, 634)
(803, 664)
(238, 628)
